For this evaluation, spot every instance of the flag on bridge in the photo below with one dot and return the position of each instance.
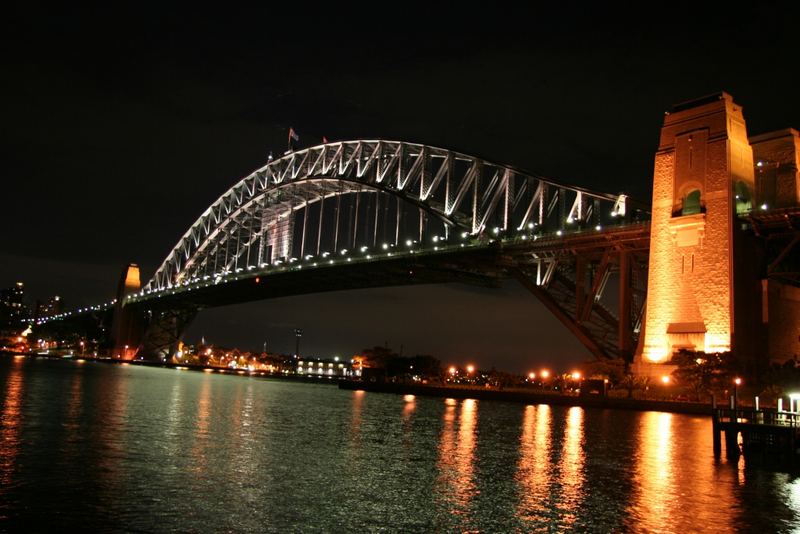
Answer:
(292, 137)
(324, 140)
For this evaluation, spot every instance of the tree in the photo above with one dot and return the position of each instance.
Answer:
(703, 372)
(631, 383)
(377, 357)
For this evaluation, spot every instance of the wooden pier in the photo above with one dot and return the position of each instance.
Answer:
(762, 436)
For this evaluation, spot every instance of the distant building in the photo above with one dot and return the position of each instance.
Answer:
(12, 306)
(324, 367)
(53, 306)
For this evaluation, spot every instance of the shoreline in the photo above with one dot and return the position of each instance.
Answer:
(313, 379)
(515, 396)
(643, 405)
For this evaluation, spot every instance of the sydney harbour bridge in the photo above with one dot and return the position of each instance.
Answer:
(370, 213)
(366, 213)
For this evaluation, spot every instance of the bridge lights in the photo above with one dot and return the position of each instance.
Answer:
(764, 206)
(665, 380)
(470, 369)
(531, 376)
(496, 230)
(598, 227)
(531, 225)
(570, 220)
(364, 249)
(559, 232)
(545, 374)
(409, 242)
(385, 246)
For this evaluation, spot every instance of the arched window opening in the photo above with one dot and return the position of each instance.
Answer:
(691, 203)
(744, 202)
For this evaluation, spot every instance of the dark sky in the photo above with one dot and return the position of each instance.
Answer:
(121, 127)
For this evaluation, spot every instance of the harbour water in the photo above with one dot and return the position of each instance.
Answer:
(111, 447)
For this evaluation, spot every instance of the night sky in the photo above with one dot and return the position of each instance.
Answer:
(120, 128)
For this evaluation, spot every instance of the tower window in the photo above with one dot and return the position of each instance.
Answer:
(691, 203)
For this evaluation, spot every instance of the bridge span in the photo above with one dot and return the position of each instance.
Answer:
(369, 213)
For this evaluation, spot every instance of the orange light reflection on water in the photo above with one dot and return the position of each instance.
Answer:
(10, 426)
(533, 469)
(408, 410)
(571, 466)
(666, 464)
(355, 419)
(654, 473)
(457, 455)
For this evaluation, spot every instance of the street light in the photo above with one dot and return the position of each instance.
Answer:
(298, 333)
(736, 383)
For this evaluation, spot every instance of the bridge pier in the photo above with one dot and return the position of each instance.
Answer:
(696, 294)
(126, 325)
(164, 331)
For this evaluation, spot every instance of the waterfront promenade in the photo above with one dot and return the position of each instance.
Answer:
(529, 397)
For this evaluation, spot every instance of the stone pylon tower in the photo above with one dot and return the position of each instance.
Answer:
(125, 329)
(703, 176)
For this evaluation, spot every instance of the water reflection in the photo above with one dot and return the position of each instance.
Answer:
(533, 470)
(571, 466)
(408, 410)
(457, 455)
(654, 471)
(11, 423)
(355, 418)
(201, 434)
(162, 450)
(108, 409)
(74, 411)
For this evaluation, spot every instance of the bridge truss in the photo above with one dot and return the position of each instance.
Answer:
(364, 213)
(356, 196)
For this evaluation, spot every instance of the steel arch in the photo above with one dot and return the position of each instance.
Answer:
(463, 193)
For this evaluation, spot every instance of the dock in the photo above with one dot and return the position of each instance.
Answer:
(762, 436)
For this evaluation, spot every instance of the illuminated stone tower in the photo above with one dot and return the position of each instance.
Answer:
(703, 176)
(125, 327)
